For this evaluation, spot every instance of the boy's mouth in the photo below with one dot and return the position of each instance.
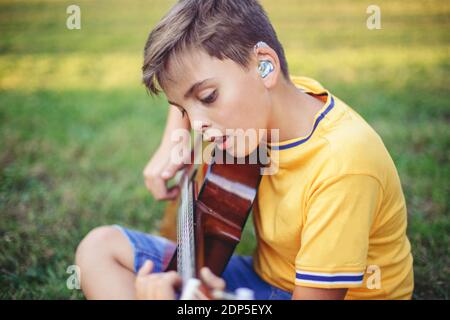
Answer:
(220, 141)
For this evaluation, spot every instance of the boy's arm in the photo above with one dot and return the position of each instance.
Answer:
(160, 168)
(175, 120)
(307, 293)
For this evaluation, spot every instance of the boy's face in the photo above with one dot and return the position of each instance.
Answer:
(219, 95)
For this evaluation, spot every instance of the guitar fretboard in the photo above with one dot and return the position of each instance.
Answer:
(185, 232)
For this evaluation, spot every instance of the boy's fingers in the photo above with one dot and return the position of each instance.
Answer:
(171, 170)
(173, 279)
(172, 193)
(146, 268)
(169, 194)
(159, 189)
(211, 280)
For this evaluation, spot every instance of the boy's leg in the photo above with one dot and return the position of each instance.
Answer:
(105, 258)
(110, 256)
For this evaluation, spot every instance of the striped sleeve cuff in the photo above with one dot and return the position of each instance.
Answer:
(329, 280)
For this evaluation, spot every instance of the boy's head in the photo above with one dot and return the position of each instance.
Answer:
(202, 54)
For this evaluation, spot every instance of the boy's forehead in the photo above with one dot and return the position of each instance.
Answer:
(186, 68)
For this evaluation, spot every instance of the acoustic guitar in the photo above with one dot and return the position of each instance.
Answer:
(213, 205)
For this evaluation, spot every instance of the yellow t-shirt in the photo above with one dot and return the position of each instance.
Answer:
(334, 215)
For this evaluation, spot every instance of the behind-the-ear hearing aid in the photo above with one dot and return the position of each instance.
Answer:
(264, 68)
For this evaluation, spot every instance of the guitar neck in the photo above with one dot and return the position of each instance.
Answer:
(185, 231)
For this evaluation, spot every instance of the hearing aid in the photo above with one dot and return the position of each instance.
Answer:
(265, 67)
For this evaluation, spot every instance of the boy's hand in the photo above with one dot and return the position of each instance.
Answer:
(161, 166)
(211, 281)
(156, 286)
(162, 286)
(158, 171)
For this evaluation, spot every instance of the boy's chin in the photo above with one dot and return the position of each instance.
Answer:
(241, 151)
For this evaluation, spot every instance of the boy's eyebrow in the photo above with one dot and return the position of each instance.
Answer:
(190, 91)
(195, 86)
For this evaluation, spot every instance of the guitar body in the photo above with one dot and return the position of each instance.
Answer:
(223, 196)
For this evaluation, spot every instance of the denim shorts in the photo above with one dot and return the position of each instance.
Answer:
(239, 272)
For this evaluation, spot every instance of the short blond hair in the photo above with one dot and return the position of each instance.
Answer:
(223, 28)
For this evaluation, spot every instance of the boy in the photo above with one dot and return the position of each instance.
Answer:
(330, 223)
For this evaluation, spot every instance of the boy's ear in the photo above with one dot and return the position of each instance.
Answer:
(267, 54)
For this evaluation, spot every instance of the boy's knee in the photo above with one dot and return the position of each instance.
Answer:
(96, 243)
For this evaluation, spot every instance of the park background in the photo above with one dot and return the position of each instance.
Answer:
(77, 126)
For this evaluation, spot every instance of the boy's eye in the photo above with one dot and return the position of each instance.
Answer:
(210, 98)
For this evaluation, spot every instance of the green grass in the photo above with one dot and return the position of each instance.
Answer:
(77, 127)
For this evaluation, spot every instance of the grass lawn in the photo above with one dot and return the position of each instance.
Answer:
(77, 127)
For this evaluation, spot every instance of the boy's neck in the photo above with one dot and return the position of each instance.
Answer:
(293, 111)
